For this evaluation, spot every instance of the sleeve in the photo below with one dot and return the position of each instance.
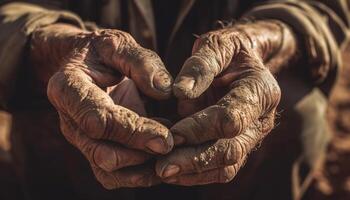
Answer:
(323, 26)
(17, 22)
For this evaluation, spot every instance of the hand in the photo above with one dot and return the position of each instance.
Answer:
(90, 102)
(230, 76)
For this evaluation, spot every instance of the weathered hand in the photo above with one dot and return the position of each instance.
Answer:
(90, 103)
(231, 72)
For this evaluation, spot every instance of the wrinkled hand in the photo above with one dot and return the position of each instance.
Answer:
(95, 111)
(229, 76)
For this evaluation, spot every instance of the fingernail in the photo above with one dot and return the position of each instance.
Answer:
(178, 139)
(183, 87)
(162, 81)
(186, 83)
(157, 146)
(171, 170)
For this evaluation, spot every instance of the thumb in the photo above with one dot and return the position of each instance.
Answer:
(211, 54)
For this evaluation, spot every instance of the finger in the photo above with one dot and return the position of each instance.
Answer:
(128, 177)
(104, 155)
(211, 54)
(221, 175)
(119, 50)
(251, 102)
(126, 94)
(205, 157)
(72, 92)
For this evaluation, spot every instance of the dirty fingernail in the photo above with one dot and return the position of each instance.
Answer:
(157, 146)
(178, 139)
(171, 170)
(185, 83)
(183, 87)
(162, 81)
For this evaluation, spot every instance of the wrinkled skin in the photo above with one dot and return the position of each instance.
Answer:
(101, 115)
(227, 90)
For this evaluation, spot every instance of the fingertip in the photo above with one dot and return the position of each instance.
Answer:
(151, 136)
(161, 145)
(157, 146)
(183, 87)
(162, 81)
(194, 78)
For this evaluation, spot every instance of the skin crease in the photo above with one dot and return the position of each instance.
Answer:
(83, 71)
(110, 161)
(228, 96)
(226, 90)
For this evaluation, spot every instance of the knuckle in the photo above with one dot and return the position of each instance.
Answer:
(150, 57)
(111, 43)
(217, 44)
(127, 37)
(252, 98)
(109, 35)
(211, 40)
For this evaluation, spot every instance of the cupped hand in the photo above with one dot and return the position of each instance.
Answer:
(229, 95)
(101, 116)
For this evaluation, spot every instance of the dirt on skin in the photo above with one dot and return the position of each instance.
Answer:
(333, 184)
